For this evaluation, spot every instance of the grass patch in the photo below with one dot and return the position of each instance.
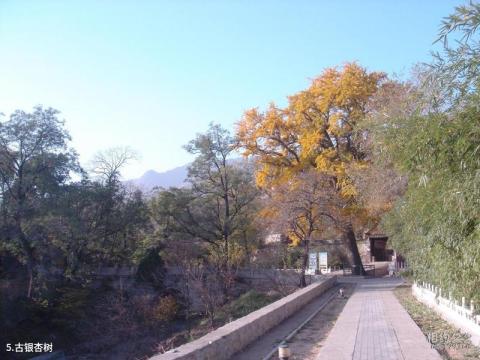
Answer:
(450, 342)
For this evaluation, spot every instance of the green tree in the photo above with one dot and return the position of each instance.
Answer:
(91, 234)
(216, 207)
(35, 164)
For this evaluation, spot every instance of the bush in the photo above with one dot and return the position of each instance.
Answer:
(436, 225)
(293, 258)
(151, 268)
(71, 302)
(247, 303)
(166, 309)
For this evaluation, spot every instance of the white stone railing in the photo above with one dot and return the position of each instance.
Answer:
(459, 313)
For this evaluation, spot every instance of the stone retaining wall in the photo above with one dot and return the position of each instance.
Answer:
(259, 279)
(227, 340)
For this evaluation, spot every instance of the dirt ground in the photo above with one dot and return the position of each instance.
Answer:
(308, 339)
(450, 342)
(306, 344)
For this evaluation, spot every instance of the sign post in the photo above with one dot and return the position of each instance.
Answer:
(323, 261)
(312, 263)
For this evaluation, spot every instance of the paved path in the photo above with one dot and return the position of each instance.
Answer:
(374, 326)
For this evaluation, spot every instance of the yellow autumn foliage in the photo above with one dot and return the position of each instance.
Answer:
(316, 130)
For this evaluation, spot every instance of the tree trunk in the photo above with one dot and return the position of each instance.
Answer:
(30, 282)
(352, 244)
(186, 294)
(28, 254)
(245, 245)
(303, 282)
(24, 241)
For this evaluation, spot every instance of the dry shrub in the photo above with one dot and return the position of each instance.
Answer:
(119, 317)
(165, 309)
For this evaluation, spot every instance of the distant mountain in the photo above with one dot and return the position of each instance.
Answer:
(174, 177)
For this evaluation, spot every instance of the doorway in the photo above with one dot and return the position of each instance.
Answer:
(378, 248)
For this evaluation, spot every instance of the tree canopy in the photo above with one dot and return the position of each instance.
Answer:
(317, 130)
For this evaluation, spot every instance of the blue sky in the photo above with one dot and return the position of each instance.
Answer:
(152, 74)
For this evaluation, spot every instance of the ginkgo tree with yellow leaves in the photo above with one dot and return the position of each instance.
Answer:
(318, 129)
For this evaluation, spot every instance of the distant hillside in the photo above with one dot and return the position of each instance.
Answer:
(174, 177)
(149, 180)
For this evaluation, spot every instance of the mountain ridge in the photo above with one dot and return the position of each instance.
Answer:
(172, 178)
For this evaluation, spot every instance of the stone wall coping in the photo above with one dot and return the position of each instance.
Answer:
(223, 342)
